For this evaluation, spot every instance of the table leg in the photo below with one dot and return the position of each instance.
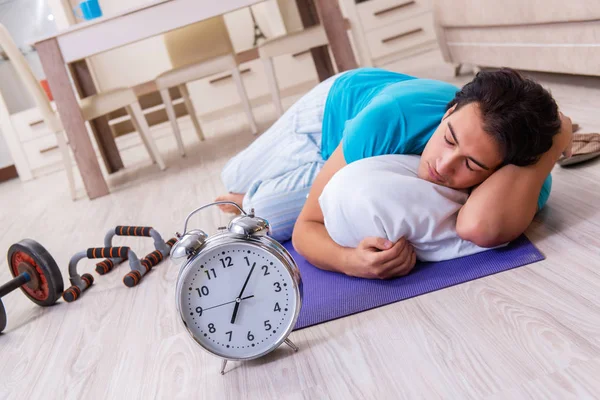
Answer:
(71, 118)
(333, 22)
(100, 128)
(320, 55)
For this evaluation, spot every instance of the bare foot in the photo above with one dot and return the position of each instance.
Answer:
(237, 198)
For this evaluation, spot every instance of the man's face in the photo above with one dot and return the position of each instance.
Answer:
(460, 154)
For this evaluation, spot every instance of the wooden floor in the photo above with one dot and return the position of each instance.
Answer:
(533, 332)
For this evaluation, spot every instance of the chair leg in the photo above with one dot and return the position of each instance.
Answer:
(64, 149)
(136, 126)
(189, 106)
(273, 87)
(166, 98)
(244, 97)
(141, 125)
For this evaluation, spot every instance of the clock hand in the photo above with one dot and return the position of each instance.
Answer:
(239, 298)
(224, 304)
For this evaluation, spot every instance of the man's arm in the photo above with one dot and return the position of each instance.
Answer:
(373, 258)
(310, 238)
(503, 206)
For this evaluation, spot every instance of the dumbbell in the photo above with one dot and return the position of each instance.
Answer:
(35, 272)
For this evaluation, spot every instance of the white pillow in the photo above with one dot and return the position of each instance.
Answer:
(383, 197)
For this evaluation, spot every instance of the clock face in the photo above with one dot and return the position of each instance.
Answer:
(237, 300)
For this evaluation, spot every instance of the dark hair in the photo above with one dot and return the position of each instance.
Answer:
(518, 112)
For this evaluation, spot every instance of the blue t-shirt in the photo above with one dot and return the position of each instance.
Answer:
(379, 112)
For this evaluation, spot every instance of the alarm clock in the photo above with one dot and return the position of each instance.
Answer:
(239, 291)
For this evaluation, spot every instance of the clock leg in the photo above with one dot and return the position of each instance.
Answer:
(223, 364)
(292, 345)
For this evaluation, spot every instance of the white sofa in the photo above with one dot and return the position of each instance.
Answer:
(536, 35)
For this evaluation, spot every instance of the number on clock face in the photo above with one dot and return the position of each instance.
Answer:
(239, 299)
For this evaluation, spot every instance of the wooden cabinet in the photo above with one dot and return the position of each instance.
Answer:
(218, 93)
(375, 14)
(404, 36)
(32, 145)
(391, 29)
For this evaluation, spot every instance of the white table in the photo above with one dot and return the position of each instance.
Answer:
(67, 50)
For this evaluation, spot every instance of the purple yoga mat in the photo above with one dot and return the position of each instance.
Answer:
(330, 295)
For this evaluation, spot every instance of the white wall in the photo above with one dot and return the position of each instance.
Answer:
(25, 20)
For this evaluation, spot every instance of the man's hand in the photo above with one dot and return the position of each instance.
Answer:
(563, 141)
(371, 259)
(378, 258)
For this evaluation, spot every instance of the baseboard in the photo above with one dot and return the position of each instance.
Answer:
(8, 173)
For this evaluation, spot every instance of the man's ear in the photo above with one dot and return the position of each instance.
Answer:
(450, 111)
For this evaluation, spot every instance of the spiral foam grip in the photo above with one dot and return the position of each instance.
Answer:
(152, 259)
(132, 278)
(133, 230)
(105, 266)
(107, 252)
(88, 279)
(74, 292)
(71, 294)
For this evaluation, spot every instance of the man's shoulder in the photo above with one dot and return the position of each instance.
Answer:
(374, 73)
(420, 87)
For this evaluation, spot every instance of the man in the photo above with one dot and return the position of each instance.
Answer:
(500, 135)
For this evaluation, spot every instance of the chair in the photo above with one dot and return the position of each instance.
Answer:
(197, 51)
(294, 42)
(91, 107)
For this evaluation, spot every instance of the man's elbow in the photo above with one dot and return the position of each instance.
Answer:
(296, 241)
(484, 234)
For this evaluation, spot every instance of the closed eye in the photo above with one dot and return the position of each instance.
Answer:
(468, 165)
(479, 164)
(466, 160)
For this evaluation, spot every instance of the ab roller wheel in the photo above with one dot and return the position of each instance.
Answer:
(35, 272)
